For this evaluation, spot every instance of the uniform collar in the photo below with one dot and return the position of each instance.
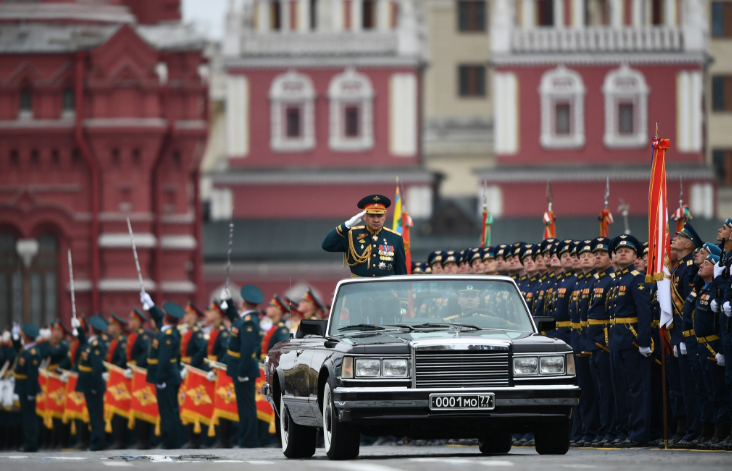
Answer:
(166, 328)
(532, 279)
(374, 233)
(29, 346)
(248, 312)
(92, 338)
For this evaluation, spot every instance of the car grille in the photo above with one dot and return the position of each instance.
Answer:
(460, 369)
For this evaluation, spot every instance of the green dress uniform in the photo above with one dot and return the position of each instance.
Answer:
(193, 347)
(91, 383)
(168, 380)
(26, 387)
(217, 343)
(137, 344)
(243, 367)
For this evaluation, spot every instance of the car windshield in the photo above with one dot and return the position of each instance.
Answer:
(452, 303)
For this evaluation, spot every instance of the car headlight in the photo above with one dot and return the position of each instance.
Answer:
(525, 366)
(394, 368)
(367, 367)
(551, 365)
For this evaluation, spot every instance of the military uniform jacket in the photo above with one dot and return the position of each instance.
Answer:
(630, 311)
(117, 352)
(137, 343)
(244, 344)
(7, 353)
(707, 324)
(26, 371)
(153, 349)
(584, 306)
(368, 254)
(168, 370)
(277, 333)
(687, 323)
(55, 354)
(91, 367)
(682, 282)
(562, 300)
(78, 346)
(539, 296)
(550, 291)
(218, 342)
(598, 312)
(533, 286)
(574, 313)
(193, 347)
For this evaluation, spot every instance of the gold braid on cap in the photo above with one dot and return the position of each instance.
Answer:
(357, 259)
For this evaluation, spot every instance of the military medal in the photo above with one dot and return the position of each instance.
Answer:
(382, 266)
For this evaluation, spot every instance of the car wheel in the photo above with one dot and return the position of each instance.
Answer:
(298, 441)
(341, 439)
(553, 438)
(495, 443)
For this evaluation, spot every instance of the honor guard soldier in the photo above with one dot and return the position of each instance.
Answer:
(243, 365)
(26, 385)
(56, 349)
(563, 292)
(630, 339)
(708, 325)
(92, 380)
(417, 268)
(193, 342)
(276, 310)
(117, 351)
(218, 336)
(501, 265)
(489, 261)
(532, 285)
(475, 258)
(450, 263)
(434, 261)
(547, 276)
(138, 340)
(310, 306)
(370, 250)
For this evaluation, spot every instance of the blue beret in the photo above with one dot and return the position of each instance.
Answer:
(173, 310)
(626, 240)
(252, 294)
(31, 331)
(118, 319)
(689, 232)
(713, 258)
(140, 314)
(712, 249)
(601, 244)
(97, 322)
(728, 222)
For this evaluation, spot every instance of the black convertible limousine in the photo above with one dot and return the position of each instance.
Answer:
(426, 357)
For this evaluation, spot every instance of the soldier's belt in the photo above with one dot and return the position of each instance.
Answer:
(709, 338)
(212, 357)
(584, 323)
(185, 359)
(624, 320)
(152, 361)
(19, 376)
(598, 321)
(576, 325)
(132, 362)
(233, 354)
(564, 324)
(688, 333)
(52, 367)
(85, 369)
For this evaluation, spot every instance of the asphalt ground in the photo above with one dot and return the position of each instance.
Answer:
(373, 458)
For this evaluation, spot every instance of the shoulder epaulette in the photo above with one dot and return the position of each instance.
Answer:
(392, 231)
(635, 272)
(95, 342)
(612, 275)
(247, 318)
(169, 332)
(358, 227)
(689, 262)
(693, 293)
(597, 277)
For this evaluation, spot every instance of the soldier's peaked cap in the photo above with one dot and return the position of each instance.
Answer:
(310, 296)
(374, 204)
(173, 310)
(689, 232)
(193, 308)
(31, 331)
(601, 244)
(139, 314)
(115, 318)
(626, 240)
(277, 301)
(98, 323)
(252, 294)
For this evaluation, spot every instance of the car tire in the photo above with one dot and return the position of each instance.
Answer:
(298, 441)
(341, 439)
(553, 438)
(495, 443)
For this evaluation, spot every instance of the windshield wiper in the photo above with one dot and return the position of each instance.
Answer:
(403, 326)
(446, 325)
(361, 327)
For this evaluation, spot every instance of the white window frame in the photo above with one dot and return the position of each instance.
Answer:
(351, 89)
(625, 85)
(292, 89)
(561, 85)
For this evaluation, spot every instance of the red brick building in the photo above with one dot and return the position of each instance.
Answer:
(103, 116)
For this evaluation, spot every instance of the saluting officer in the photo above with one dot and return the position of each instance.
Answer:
(26, 385)
(243, 365)
(92, 380)
(193, 342)
(370, 250)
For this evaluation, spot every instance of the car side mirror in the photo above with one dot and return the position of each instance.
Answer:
(331, 343)
(312, 327)
(545, 323)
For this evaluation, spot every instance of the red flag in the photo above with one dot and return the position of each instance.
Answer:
(264, 409)
(75, 406)
(41, 396)
(406, 224)
(224, 401)
(605, 220)
(196, 399)
(55, 397)
(144, 402)
(658, 241)
(550, 230)
(118, 398)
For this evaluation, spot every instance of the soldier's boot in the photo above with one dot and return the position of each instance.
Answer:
(724, 442)
(708, 432)
(680, 432)
(727, 443)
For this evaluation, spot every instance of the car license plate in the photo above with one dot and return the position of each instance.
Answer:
(463, 401)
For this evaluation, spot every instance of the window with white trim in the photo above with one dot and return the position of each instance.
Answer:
(292, 120)
(351, 112)
(562, 109)
(626, 108)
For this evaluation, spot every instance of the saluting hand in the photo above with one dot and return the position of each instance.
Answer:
(355, 219)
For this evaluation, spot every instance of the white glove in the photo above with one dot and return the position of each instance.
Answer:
(727, 309)
(355, 219)
(242, 380)
(45, 333)
(64, 378)
(128, 373)
(225, 294)
(75, 323)
(682, 348)
(16, 331)
(714, 305)
(105, 376)
(183, 373)
(645, 351)
(720, 359)
(676, 351)
(718, 270)
(160, 386)
(211, 376)
(146, 301)
(6, 336)
(16, 398)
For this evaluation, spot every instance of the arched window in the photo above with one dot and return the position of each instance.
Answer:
(626, 108)
(292, 119)
(43, 299)
(11, 282)
(25, 104)
(351, 111)
(562, 109)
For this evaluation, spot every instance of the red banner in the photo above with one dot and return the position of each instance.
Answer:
(117, 399)
(41, 396)
(144, 402)
(264, 409)
(658, 241)
(196, 399)
(55, 396)
(75, 404)
(224, 401)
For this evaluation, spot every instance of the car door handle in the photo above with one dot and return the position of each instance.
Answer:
(299, 352)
